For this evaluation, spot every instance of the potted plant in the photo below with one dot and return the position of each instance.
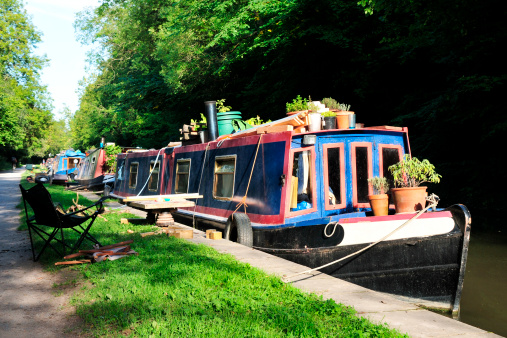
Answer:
(331, 103)
(225, 117)
(329, 118)
(379, 201)
(298, 104)
(408, 174)
(343, 116)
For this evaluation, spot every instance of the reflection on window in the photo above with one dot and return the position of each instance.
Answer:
(182, 176)
(223, 185)
(120, 172)
(133, 175)
(153, 182)
(334, 175)
(301, 197)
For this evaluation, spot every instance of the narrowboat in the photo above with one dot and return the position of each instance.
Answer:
(303, 196)
(64, 165)
(93, 172)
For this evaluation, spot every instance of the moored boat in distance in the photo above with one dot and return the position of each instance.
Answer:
(64, 166)
(303, 196)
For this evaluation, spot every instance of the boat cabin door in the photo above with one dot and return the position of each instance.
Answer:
(346, 167)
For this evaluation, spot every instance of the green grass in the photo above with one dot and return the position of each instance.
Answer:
(176, 288)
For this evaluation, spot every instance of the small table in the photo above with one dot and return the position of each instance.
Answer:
(159, 212)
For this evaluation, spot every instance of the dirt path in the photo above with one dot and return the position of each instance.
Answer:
(29, 304)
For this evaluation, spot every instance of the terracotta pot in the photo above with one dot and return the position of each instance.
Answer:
(342, 120)
(409, 200)
(379, 204)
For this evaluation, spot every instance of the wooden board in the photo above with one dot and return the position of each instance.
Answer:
(150, 205)
(161, 197)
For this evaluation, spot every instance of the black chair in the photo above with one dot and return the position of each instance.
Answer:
(46, 213)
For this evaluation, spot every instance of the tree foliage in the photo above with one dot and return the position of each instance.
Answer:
(24, 105)
(433, 66)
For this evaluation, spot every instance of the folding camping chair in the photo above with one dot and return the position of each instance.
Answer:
(47, 214)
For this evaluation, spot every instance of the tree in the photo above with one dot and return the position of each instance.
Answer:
(24, 106)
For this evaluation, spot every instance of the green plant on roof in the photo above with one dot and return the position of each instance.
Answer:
(328, 113)
(330, 103)
(200, 123)
(379, 184)
(344, 107)
(221, 107)
(297, 104)
(255, 121)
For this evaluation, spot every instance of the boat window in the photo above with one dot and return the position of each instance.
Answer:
(361, 153)
(301, 183)
(182, 176)
(133, 175)
(223, 184)
(93, 159)
(390, 154)
(153, 182)
(334, 176)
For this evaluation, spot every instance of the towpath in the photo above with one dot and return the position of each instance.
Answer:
(30, 304)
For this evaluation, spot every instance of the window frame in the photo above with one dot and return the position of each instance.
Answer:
(224, 157)
(155, 163)
(369, 147)
(130, 174)
(343, 196)
(313, 179)
(381, 147)
(176, 178)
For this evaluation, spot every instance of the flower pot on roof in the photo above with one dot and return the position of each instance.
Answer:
(343, 116)
(408, 174)
(379, 201)
(297, 105)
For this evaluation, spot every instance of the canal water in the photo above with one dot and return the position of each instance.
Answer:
(484, 298)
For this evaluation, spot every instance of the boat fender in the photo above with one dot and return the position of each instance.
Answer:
(239, 229)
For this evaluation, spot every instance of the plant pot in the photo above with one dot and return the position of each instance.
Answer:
(379, 204)
(342, 120)
(315, 121)
(203, 135)
(224, 121)
(409, 200)
(329, 122)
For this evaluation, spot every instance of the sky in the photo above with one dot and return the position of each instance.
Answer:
(67, 57)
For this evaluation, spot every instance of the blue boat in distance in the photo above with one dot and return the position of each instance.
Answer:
(64, 166)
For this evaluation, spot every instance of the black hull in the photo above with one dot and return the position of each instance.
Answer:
(419, 268)
(94, 183)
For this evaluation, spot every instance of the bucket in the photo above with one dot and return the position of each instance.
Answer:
(315, 121)
(224, 121)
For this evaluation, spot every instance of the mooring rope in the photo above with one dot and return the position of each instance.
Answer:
(148, 179)
(433, 199)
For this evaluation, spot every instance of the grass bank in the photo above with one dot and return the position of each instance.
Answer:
(176, 288)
